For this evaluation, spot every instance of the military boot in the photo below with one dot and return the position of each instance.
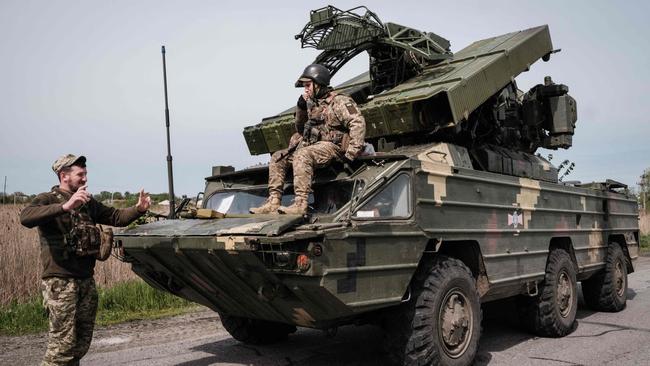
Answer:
(270, 206)
(299, 207)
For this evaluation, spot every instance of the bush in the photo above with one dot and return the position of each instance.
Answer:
(644, 242)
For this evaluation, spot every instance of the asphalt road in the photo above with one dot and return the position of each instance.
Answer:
(198, 339)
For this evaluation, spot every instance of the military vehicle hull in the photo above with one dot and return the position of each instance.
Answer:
(503, 227)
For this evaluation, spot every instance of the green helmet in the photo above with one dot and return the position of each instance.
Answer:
(317, 73)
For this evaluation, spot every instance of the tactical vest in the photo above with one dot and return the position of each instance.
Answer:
(84, 238)
(323, 125)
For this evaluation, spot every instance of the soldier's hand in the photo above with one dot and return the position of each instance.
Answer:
(302, 102)
(79, 198)
(347, 158)
(144, 202)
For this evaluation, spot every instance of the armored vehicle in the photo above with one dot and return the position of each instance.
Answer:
(452, 209)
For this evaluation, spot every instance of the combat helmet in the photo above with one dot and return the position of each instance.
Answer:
(317, 73)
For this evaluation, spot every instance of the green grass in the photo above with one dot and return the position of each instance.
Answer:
(128, 301)
(644, 242)
(137, 300)
(23, 318)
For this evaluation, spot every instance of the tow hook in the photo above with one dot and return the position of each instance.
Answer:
(531, 288)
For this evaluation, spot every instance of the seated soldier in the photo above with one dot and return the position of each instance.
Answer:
(331, 126)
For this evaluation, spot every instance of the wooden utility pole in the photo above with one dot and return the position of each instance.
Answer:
(4, 191)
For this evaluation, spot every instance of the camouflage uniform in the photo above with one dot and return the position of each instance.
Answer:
(338, 131)
(71, 304)
(69, 293)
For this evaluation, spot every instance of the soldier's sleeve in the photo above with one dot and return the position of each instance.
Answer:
(113, 216)
(348, 112)
(301, 115)
(40, 211)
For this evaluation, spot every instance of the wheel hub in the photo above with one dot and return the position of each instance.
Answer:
(619, 279)
(455, 323)
(564, 294)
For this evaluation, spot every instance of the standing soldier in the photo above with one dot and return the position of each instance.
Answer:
(334, 128)
(66, 218)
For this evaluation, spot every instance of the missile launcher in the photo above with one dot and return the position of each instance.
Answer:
(417, 91)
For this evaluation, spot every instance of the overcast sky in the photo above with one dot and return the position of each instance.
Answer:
(85, 77)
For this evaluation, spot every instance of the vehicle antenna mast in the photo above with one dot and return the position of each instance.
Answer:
(170, 174)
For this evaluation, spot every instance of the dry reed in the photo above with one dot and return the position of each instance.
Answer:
(20, 266)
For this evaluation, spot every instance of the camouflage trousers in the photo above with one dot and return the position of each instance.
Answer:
(71, 304)
(303, 161)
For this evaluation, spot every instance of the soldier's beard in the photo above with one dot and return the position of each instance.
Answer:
(75, 186)
(72, 186)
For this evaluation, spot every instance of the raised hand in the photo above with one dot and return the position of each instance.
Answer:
(144, 201)
(79, 198)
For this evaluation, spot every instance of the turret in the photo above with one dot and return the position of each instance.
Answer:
(417, 91)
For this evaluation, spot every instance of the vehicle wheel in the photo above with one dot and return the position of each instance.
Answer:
(255, 331)
(441, 324)
(607, 290)
(552, 313)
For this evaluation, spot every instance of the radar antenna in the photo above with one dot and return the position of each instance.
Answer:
(396, 52)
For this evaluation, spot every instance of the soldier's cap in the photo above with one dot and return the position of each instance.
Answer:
(67, 160)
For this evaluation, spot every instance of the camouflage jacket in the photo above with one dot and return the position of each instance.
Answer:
(337, 118)
(46, 212)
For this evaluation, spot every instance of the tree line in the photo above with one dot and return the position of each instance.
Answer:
(123, 199)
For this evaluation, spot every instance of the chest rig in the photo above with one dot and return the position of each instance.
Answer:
(84, 237)
(323, 124)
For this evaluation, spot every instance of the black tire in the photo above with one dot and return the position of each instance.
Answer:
(255, 331)
(607, 290)
(552, 313)
(441, 324)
